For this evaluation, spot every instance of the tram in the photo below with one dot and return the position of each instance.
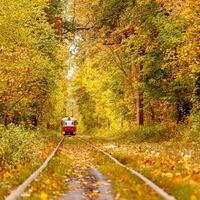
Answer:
(69, 126)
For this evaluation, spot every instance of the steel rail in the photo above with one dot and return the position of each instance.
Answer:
(20, 189)
(156, 188)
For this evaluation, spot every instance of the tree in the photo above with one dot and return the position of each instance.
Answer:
(29, 61)
(144, 49)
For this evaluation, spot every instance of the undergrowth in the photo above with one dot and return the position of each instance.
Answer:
(166, 154)
(21, 152)
(16, 146)
(192, 133)
(153, 133)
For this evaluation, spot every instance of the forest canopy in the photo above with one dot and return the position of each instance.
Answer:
(32, 61)
(120, 79)
(133, 63)
(137, 62)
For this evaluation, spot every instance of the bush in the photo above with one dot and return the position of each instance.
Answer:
(16, 145)
(149, 133)
(193, 133)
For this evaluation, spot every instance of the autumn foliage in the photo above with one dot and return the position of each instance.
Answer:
(138, 63)
(31, 61)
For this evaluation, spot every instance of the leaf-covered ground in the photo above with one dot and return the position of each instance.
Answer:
(73, 160)
(173, 166)
(26, 151)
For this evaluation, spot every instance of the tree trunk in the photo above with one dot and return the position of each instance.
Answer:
(152, 113)
(139, 107)
(137, 70)
(121, 121)
(98, 122)
(6, 120)
(108, 123)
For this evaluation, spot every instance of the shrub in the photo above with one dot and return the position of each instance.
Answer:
(149, 133)
(193, 133)
(16, 145)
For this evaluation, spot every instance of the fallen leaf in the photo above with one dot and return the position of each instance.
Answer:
(43, 196)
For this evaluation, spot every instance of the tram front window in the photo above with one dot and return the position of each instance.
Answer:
(68, 123)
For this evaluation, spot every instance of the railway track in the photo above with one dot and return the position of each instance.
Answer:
(155, 187)
(21, 188)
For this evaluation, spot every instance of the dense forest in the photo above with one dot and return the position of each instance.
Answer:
(32, 55)
(137, 63)
(133, 63)
(127, 70)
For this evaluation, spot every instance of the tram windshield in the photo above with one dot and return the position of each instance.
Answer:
(68, 123)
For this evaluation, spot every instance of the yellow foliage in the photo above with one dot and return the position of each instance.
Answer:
(43, 196)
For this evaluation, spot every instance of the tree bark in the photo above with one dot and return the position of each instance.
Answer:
(121, 121)
(108, 123)
(140, 108)
(139, 95)
(152, 113)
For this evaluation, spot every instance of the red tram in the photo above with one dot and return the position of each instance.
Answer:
(68, 126)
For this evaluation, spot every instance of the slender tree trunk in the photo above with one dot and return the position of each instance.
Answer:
(140, 108)
(152, 113)
(6, 120)
(121, 121)
(108, 123)
(196, 101)
(137, 70)
(98, 122)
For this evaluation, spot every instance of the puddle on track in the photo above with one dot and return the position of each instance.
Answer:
(93, 186)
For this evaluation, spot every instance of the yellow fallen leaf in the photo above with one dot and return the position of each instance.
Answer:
(168, 175)
(43, 196)
(117, 196)
(7, 174)
(193, 197)
(186, 178)
(94, 193)
(48, 182)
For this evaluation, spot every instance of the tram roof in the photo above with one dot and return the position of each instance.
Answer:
(69, 119)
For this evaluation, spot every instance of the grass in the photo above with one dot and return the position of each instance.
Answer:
(153, 133)
(12, 179)
(185, 191)
(177, 175)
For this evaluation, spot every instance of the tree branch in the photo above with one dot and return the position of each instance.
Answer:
(118, 60)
